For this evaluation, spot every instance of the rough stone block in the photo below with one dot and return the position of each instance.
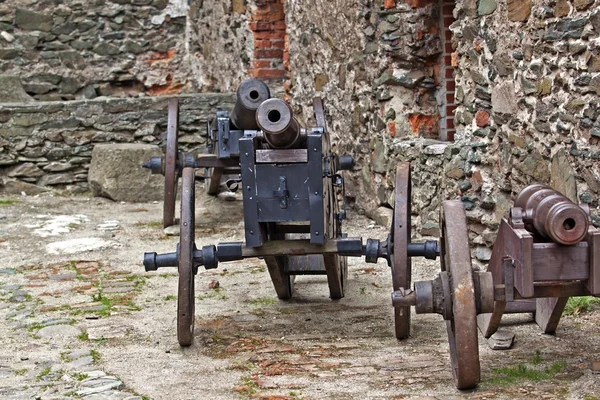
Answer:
(116, 172)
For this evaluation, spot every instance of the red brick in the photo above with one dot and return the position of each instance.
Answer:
(268, 73)
(482, 118)
(260, 26)
(269, 53)
(389, 4)
(448, 59)
(278, 44)
(449, 72)
(450, 85)
(280, 25)
(450, 123)
(448, 21)
(450, 135)
(450, 108)
(419, 3)
(448, 48)
(449, 98)
(448, 9)
(447, 34)
(261, 64)
(262, 44)
(269, 35)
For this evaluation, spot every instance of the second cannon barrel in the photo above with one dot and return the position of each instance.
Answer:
(276, 119)
(250, 95)
(552, 215)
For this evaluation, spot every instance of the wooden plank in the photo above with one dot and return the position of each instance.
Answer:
(274, 156)
(521, 248)
(283, 284)
(489, 323)
(299, 247)
(305, 265)
(555, 262)
(548, 312)
(593, 240)
(520, 306)
(546, 289)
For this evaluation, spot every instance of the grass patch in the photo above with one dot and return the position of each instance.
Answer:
(578, 305)
(20, 372)
(8, 202)
(42, 374)
(95, 355)
(83, 336)
(216, 293)
(80, 376)
(522, 372)
(263, 301)
(151, 225)
(247, 387)
(170, 297)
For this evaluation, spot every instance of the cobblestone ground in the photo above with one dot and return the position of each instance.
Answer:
(81, 319)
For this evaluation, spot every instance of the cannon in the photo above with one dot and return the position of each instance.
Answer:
(546, 252)
(294, 205)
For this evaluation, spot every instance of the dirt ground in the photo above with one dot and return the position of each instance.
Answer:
(81, 318)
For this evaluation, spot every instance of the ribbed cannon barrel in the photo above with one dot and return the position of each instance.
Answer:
(250, 94)
(276, 119)
(552, 215)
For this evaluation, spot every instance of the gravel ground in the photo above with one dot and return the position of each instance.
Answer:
(82, 319)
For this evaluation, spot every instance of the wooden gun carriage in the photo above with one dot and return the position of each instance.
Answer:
(293, 199)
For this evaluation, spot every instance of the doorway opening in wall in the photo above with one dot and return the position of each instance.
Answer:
(447, 84)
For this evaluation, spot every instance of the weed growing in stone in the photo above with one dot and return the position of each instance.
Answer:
(248, 387)
(21, 371)
(8, 202)
(263, 301)
(95, 355)
(578, 305)
(83, 336)
(170, 297)
(42, 374)
(521, 372)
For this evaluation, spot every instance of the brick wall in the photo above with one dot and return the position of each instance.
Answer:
(447, 83)
(267, 23)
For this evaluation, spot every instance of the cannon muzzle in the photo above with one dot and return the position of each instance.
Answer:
(250, 94)
(552, 215)
(276, 119)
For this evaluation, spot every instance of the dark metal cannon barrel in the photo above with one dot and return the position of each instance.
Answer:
(552, 215)
(250, 94)
(276, 119)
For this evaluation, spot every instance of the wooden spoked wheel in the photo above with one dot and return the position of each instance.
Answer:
(400, 234)
(185, 295)
(170, 166)
(462, 326)
(336, 266)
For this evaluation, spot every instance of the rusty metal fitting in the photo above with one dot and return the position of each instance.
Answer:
(250, 95)
(552, 215)
(276, 119)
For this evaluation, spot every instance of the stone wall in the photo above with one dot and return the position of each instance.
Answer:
(376, 63)
(70, 49)
(50, 143)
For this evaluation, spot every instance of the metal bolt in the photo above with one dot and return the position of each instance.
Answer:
(248, 187)
(317, 193)
(317, 233)
(246, 154)
(252, 232)
(315, 149)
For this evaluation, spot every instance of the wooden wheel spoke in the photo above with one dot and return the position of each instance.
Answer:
(171, 175)
(400, 233)
(185, 298)
(462, 327)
